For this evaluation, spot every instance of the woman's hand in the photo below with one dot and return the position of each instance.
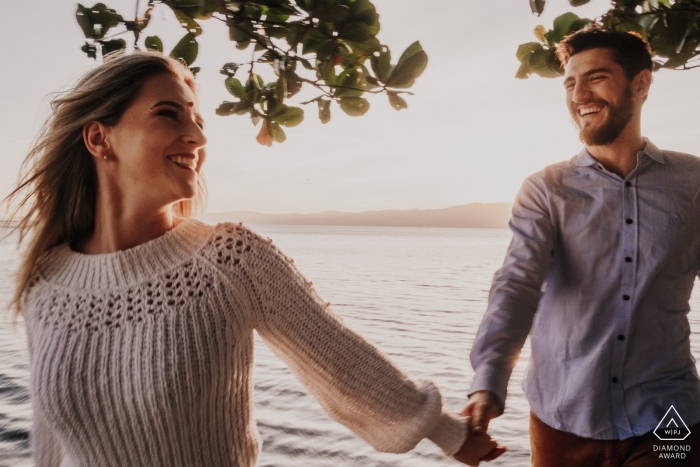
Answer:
(478, 447)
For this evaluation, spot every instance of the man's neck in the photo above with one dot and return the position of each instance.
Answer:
(620, 156)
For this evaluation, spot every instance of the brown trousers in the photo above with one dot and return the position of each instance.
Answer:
(554, 448)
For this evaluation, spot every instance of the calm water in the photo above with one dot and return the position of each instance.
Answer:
(417, 294)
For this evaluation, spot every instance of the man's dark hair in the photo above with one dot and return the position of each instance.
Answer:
(630, 51)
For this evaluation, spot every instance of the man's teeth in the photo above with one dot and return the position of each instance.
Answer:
(590, 110)
(182, 161)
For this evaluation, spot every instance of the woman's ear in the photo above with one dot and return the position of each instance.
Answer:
(95, 138)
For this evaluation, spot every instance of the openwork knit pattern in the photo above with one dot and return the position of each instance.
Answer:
(144, 357)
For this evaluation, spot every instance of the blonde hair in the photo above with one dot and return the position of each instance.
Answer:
(58, 180)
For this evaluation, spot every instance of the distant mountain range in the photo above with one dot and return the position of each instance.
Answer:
(474, 215)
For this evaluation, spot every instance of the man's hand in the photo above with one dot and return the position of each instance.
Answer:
(481, 407)
(478, 447)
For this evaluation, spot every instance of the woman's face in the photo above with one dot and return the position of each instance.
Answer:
(157, 148)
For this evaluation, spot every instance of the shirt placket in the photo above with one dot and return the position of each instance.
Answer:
(626, 299)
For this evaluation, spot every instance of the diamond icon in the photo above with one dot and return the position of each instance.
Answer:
(672, 427)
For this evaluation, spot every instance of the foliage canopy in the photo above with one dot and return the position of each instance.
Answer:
(672, 28)
(330, 45)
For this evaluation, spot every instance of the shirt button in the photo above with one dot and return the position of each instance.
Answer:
(629, 221)
(614, 380)
(628, 259)
(628, 183)
(620, 337)
(625, 297)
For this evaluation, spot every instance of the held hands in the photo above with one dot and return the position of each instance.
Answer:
(482, 408)
(479, 446)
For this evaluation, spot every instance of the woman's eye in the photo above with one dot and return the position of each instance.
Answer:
(169, 113)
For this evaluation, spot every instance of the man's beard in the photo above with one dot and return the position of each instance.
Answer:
(618, 118)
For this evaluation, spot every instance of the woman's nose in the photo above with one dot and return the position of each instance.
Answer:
(195, 135)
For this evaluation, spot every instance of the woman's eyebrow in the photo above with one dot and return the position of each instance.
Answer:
(171, 103)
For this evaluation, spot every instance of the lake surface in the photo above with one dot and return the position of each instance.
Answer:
(416, 293)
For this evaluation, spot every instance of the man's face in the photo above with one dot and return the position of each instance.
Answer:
(599, 96)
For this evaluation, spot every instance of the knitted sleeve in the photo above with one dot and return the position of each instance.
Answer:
(353, 381)
(45, 448)
(46, 451)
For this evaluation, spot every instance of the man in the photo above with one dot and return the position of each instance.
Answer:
(614, 237)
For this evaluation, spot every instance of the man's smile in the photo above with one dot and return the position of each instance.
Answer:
(589, 110)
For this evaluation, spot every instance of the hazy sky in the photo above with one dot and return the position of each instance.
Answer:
(472, 131)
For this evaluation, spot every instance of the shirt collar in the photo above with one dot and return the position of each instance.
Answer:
(584, 159)
(652, 151)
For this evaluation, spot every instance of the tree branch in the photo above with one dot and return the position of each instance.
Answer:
(635, 14)
(349, 88)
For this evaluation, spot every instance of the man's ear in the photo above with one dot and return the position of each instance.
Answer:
(641, 83)
(95, 138)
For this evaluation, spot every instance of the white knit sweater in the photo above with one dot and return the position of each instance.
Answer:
(144, 357)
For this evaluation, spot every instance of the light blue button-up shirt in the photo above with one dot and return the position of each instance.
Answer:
(599, 272)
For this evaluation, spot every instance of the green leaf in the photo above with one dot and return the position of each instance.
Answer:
(277, 132)
(364, 11)
(630, 26)
(327, 50)
(194, 70)
(232, 108)
(354, 106)
(242, 45)
(96, 21)
(82, 15)
(237, 35)
(324, 110)
(366, 48)
(356, 32)
(397, 101)
(381, 64)
(187, 22)
(578, 2)
(229, 69)
(289, 117)
(90, 50)
(277, 17)
(153, 43)
(540, 32)
(523, 72)
(686, 53)
(334, 14)
(350, 78)
(186, 49)
(409, 67)
(526, 50)
(544, 63)
(294, 83)
(112, 45)
(305, 63)
(326, 72)
(235, 87)
(562, 26)
(537, 6)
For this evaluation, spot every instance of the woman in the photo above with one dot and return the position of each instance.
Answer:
(140, 319)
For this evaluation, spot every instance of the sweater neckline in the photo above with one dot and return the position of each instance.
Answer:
(69, 268)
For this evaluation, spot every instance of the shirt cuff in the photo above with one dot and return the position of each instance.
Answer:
(492, 379)
(450, 432)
